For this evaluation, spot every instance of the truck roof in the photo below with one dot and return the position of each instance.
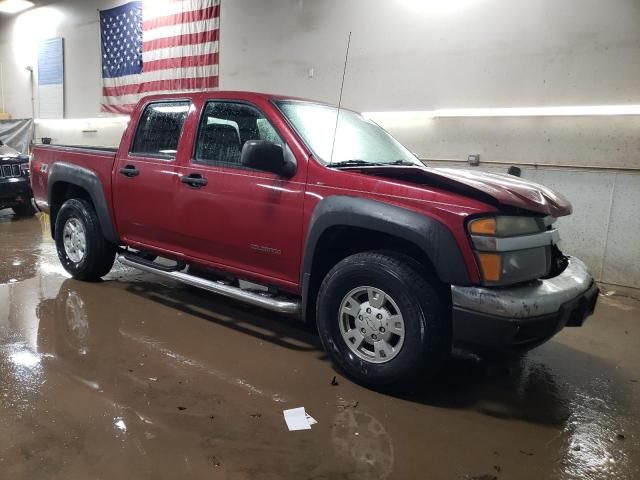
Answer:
(235, 94)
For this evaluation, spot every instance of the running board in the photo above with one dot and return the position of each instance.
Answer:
(288, 307)
(132, 257)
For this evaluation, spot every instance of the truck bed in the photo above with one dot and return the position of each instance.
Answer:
(97, 159)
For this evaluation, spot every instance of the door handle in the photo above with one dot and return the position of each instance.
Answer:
(130, 171)
(194, 180)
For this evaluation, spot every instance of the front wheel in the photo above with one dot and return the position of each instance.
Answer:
(382, 320)
(82, 248)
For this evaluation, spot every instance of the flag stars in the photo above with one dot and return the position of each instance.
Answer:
(122, 37)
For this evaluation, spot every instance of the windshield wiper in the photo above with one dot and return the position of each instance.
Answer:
(352, 163)
(400, 162)
(364, 163)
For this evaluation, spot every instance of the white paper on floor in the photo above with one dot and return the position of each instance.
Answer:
(298, 419)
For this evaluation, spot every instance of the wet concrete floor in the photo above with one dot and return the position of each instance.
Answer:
(136, 378)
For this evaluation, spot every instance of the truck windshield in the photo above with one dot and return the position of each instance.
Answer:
(358, 141)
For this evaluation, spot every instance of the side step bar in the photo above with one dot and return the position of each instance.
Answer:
(289, 307)
(132, 257)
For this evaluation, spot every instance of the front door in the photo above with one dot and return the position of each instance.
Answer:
(244, 219)
(146, 178)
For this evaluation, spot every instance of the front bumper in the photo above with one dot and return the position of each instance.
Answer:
(525, 315)
(14, 191)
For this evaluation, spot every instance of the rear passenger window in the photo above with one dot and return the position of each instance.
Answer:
(159, 129)
(224, 129)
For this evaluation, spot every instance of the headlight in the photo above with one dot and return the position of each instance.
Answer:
(506, 226)
(512, 249)
(24, 168)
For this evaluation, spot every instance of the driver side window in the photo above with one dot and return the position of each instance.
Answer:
(224, 129)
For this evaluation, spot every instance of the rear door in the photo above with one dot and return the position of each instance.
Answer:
(146, 178)
(248, 220)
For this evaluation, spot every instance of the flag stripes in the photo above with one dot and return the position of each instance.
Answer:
(158, 47)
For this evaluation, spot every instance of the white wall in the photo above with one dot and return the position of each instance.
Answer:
(77, 22)
(405, 55)
(491, 53)
(423, 55)
(487, 53)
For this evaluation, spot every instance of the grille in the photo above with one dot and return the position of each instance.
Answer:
(10, 171)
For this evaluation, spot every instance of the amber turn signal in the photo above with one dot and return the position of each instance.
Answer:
(483, 226)
(491, 266)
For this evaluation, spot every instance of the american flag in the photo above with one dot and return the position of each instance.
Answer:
(158, 46)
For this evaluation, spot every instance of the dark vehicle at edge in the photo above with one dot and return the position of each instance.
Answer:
(15, 187)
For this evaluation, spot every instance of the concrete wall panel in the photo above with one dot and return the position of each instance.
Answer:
(584, 232)
(622, 255)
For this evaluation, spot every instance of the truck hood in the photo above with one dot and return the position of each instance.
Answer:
(502, 188)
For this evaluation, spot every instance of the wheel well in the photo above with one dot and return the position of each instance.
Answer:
(339, 242)
(60, 193)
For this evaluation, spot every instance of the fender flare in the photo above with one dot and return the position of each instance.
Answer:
(430, 235)
(89, 181)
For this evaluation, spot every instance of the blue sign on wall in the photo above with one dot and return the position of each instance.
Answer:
(51, 78)
(51, 62)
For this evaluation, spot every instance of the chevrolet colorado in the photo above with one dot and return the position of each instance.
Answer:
(305, 209)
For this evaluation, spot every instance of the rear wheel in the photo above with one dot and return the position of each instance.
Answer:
(81, 246)
(382, 320)
(24, 210)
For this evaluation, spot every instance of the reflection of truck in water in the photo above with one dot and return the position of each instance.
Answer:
(140, 384)
(15, 189)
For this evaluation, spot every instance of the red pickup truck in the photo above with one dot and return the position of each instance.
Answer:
(301, 208)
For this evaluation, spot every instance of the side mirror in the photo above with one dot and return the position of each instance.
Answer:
(266, 156)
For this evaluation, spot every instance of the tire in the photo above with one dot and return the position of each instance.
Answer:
(24, 210)
(421, 302)
(87, 260)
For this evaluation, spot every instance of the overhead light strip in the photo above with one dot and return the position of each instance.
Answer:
(569, 111)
